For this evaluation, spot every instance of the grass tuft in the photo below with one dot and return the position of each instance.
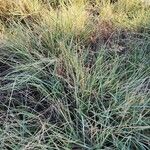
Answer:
(74, 75)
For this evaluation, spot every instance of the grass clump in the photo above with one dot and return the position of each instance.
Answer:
(74, 75)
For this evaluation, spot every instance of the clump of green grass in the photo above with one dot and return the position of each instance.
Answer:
(62, 87)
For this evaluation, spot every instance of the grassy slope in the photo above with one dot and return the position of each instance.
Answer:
(74, 76)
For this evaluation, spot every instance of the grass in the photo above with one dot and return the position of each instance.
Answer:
(75, 75)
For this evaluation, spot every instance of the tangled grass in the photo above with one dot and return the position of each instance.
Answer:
(74, 75)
